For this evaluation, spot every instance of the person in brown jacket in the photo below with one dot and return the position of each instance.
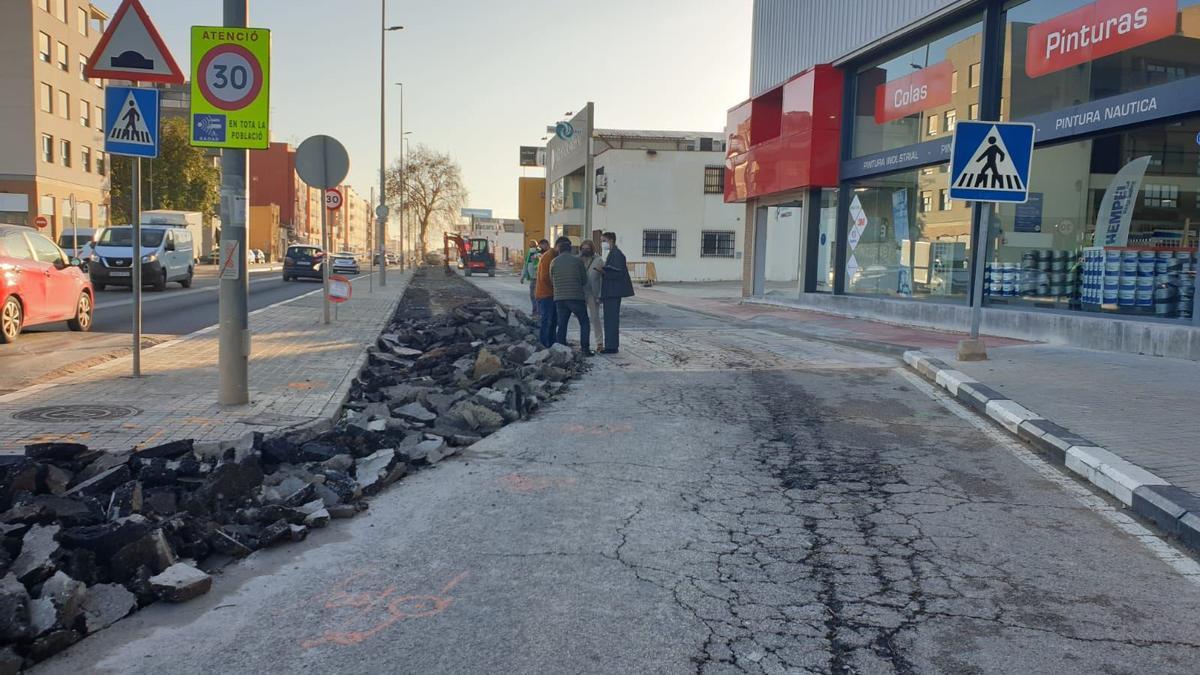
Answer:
(544, 292)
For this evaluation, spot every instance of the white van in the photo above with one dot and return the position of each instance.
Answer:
(167, 255)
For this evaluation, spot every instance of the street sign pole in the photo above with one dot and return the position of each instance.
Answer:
(326, 261)
(983, 224)
(234, 341)
(136, 264)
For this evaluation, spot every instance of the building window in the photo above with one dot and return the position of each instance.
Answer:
(47, 148)
(64, 104)
(83, 68)
(101, 169)
(931, 125)
(46, 98)
(947, 203)
(44, 47)
(99, 118)
(658, 242)
(950, 117)
(60, 10)
(973, 111)
(1159, 73)
(973, 75)
(716, 244)
(954, 82)
(85, 114)
(44, 5)
(62, 57)
(1161, 196)
(926, 201)
(714, 180)
(82, 17)
(64, 152)
(85, 158)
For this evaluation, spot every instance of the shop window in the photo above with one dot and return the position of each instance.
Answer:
(899, 246)
(1055, 66)
(973, 111)
(64, 152)
(44, 47)
(85, 114)
(944, 198)
(85, 159)
(716, 244)
(950, 117)
(1143, 261)
(714, 180)
(47, 148)
(658, 242)
(973, 75)
(62, 57)
(1161, 196)
(64, 105)
(901, 99)
(46, 98)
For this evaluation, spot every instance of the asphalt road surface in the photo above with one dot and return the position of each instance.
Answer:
(719, 498)
(52, 350)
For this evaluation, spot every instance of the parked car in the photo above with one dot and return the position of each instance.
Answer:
(257, 256)
(344, 263)
(40, 284)
(167, 255)
(302, 262)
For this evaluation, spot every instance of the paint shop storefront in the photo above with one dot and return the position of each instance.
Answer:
(1104, 253)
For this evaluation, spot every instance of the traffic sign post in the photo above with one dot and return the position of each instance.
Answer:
(41, 222)
(322, 162)
(231, 85)
(131, 49)
(333, 199)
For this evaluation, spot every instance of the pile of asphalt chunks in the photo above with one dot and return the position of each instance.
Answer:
(90, 536)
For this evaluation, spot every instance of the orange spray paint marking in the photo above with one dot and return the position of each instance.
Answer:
(381, 608)
(522, 483)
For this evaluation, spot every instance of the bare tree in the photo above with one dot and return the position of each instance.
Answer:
(433, 190)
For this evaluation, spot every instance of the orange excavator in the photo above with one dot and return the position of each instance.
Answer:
(475, 253)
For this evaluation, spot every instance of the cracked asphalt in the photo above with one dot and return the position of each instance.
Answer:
(800, 507)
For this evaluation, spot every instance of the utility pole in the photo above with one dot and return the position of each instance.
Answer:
(234, 320)
(401, 176)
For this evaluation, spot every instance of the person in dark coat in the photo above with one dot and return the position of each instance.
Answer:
(568, 274)
(616, 285)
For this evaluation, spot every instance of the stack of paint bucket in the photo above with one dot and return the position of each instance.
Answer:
(1092, 278)
(1187, 282)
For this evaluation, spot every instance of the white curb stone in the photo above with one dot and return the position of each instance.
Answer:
(1109, 472)
(1010, 414)
(951, 379)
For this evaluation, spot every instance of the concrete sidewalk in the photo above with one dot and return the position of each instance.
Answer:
(300, 372)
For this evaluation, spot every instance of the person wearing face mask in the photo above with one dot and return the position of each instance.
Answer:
(593, 263)
(545, 295)
(569, 276)
(616, 285)
(529, 271)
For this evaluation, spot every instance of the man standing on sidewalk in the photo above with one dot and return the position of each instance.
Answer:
(591, 292)
(529, 271)
(569, 275)
(545, 297)
(616, 285)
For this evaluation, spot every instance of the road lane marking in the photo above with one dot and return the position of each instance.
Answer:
(171, 296)
(1186, 566)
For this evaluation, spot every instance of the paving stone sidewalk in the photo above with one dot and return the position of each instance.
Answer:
(300, 372)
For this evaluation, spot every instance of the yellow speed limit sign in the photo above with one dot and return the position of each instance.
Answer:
(231, 85)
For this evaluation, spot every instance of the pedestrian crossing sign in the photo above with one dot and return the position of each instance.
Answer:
(989, 161)
(131, 121)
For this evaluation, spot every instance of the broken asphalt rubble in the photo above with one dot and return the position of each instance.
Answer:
(90, 536)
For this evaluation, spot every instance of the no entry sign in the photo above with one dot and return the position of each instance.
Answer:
(231, 84)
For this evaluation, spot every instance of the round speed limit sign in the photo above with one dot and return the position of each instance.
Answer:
(333, 199)
(230, 77)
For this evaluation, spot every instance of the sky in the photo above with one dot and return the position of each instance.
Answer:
(483, 77)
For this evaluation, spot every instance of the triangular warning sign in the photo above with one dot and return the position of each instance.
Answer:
(991, 166)
(132, 49)
(131, 126)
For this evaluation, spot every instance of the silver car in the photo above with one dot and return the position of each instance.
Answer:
(344, 263)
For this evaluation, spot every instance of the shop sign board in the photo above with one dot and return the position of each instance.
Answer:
(989, 161)
(926, 88)
(532, 155)
(231, 85)
(1096, 30)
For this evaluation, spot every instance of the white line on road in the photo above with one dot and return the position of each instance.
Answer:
(168, 296)
(1179, 561)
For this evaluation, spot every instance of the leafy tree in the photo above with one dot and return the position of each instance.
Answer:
(433, 190)
(182, 178)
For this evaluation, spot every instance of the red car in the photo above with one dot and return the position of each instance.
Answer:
(39, 284)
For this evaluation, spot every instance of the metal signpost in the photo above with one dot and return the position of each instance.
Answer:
(989, 163)
(322, 162)
(131, 49)
(230, 106)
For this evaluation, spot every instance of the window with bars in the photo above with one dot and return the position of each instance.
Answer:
(714, 180)
(716, 244)
(658, 242)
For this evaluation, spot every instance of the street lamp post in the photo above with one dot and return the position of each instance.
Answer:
(402, 133)
(381, 234)
(408, 234)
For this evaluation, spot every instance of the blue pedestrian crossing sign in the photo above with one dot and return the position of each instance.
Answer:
(131, 121)
(989, 161)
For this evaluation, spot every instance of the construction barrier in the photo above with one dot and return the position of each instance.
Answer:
(642, 273)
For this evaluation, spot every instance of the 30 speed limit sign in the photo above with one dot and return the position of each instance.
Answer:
(231, 83)
(333, 199)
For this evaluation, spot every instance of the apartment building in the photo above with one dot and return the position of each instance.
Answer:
(51, 115)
